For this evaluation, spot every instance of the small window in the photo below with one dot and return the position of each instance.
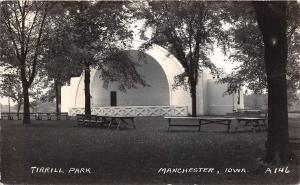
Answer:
(113, 98)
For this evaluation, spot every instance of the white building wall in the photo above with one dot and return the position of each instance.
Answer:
(242, 104)
(78, 97)
(172, 67)
(156, 94)
(162, 68)
(202, 101)
(219, 102)
(159, 70)
(206, 76)
(68, 94)
(200, 97)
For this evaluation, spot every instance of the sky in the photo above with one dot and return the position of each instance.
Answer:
(221, 61)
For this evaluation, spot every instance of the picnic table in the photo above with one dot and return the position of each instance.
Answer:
(91, 120)
(250, 113)
(202, 120)
(251, 120)
(94, 120)
(258, 111)
(118, 120)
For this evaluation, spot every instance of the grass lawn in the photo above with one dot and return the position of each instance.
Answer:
(129, 156)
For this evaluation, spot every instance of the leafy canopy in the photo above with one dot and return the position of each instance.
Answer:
(99, 32)
(188, 29)
(247, 48)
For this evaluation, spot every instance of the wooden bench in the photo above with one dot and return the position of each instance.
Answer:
(92, 120)
(203, 120)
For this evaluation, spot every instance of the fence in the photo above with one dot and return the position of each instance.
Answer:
(134, 111)
(34, 116)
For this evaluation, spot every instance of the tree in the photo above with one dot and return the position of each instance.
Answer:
(59, 66)
(247, 48)
(265, 40)
(188, 30)
(11, 86)
(272, 21)
(100, 32)
(23, 26)
(59, 69)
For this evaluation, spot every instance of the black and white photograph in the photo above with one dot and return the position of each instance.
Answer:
(169, 92)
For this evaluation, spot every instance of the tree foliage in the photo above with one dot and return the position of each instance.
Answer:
(112, 70)
(25, 27)
(10, 86)
(99, 31)
(247, 48)
(24, 32)
(57, 40)
(59, 65)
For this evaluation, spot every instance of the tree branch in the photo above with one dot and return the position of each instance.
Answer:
(33, 73)
(30, 30)
(11, 33)
(178, 48)
(17, 27)
(23, 19)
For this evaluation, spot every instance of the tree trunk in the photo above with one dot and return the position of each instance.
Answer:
(194, 99)
(19, 104)
(26, 109)
(87, 89)
(25, 87)
(9, 105)
(272, 21)
(57, 97)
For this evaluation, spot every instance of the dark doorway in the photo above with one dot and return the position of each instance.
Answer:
(113, 98)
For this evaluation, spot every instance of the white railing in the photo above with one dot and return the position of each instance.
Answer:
(134, 111)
